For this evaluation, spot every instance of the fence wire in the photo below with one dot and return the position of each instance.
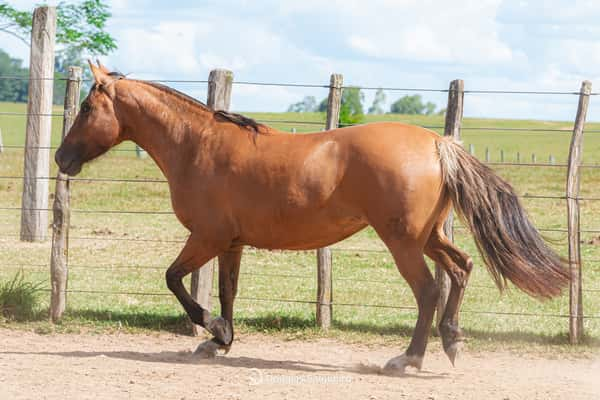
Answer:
(334, 248)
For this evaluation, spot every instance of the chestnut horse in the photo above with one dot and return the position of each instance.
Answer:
(235, 182)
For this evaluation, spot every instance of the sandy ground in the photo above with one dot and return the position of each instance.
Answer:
(259, 367)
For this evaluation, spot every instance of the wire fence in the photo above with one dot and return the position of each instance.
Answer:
(258, 275)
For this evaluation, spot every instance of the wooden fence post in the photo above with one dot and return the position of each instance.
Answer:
(218, 98)
(139, 152)
(454, 113)
(573, 178)
(61, 212)
(34, 203)
(324, 258)
(472, 149)
(487, 154)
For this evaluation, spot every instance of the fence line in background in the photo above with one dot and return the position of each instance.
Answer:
(221, 92)
(58, 77)
(573, 183)
(34, 224)
(454, 115)
(324, 312)
(218, 98)
(61, 208)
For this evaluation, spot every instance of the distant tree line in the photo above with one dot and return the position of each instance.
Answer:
(14, 90)
(80, 33)
(352, 110)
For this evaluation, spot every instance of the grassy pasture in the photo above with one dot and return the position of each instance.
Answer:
(130, 252)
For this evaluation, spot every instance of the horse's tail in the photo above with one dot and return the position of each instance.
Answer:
(510, 245)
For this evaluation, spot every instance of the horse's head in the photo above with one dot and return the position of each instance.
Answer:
(96, 128)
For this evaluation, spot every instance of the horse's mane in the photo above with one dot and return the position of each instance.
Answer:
(237, 119)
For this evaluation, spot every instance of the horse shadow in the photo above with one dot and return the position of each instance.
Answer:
(239, 362)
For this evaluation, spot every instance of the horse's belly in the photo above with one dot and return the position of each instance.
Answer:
(305, 234)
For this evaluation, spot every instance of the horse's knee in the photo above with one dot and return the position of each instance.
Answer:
(173, 278)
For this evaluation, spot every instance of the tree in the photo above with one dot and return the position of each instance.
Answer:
(323, 105)
(351, 111)
(79, 34)
(378, 102)
(12, 89)
(308, 104)
(79, 27)
(412, 105)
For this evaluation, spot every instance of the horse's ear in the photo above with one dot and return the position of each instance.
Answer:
(99, 75)
(102, 67)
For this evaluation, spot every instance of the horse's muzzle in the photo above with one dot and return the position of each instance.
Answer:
(68, 161)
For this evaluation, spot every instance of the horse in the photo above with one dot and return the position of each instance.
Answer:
(234, 182)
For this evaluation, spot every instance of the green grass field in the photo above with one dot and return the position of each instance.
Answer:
(129, 253)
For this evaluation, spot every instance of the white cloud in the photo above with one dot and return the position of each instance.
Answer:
(491, 44)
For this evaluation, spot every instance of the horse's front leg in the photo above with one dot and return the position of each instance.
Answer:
(194, 255)
(229, 271)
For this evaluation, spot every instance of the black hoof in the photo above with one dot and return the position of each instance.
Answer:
(222, 330)
(452, 339)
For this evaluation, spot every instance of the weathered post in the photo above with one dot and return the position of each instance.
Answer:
(324, 262)
(454, 113)
(1, 142)
(573, 178)
(518, 157)
(533, 158)
(487, 154)
(472, 149)
(60, 209)
(551, 159)
(501, 155)
(139, 152)
(218, 98)
(34, 203)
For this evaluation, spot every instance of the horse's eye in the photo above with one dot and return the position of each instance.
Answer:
(86, 107)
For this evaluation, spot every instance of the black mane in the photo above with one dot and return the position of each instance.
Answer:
(237, 119)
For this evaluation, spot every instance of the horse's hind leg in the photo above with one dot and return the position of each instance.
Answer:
(458, 265)
(411, 264)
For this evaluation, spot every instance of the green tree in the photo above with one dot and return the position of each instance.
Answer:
(79, 27)
(80, 33)
(308, 104)
(12, 89)
(351, 111)
(322, 107)
(378, 102)
(412, 105)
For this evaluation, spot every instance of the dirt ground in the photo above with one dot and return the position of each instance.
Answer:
(125, 366)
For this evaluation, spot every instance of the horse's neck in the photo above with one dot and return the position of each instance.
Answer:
(166, 132)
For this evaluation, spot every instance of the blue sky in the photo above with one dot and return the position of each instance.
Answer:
(491, 44)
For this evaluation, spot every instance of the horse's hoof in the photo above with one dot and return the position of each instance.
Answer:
(206, 350)
(221, 329)
(452, 339)
(452, 351)
(397, 365)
